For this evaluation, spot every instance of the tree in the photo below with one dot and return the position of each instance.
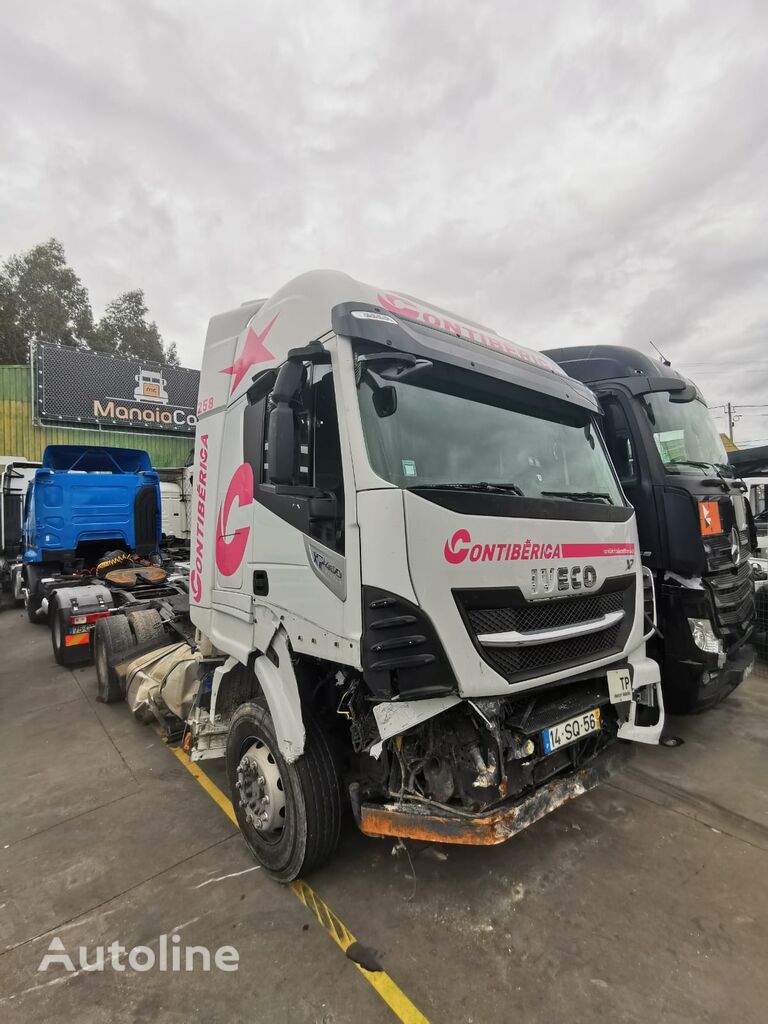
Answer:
(41, 299)
(172, 354)
(124, 329)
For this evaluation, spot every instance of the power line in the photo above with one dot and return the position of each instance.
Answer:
(717, 369)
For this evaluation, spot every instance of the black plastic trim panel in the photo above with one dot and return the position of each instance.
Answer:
(511, 506)
(402, 654)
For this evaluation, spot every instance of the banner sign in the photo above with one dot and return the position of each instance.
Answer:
(80, 388)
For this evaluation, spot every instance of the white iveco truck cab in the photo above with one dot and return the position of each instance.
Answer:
(413, 558)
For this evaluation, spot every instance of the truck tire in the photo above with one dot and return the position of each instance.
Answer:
(112, 640)
(147, 627)
(302, 801)
(64, 655)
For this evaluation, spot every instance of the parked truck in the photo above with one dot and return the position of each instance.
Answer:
(175, 495)
(15, 474)
(415, 580)
(696, 532)
(91, 536)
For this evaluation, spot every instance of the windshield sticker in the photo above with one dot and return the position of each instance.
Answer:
(409, 467)
(671, 445)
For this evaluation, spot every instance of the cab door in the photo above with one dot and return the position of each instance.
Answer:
(625, 445)
(297, 555)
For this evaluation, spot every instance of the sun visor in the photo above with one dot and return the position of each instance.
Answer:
(372, 323)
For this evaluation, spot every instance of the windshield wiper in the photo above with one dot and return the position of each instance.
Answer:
(690, 462)
(580, 495)
(482, 485)
(717, 467)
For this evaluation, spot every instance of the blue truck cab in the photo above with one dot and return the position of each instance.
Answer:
(83, 502)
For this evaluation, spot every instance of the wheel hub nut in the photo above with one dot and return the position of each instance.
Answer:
(260, 789)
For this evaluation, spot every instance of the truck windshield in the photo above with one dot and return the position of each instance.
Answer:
(443, 426)
(685, 433)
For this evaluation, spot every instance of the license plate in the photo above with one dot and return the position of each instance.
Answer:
(76, 639)
(573, 729)
(619, 685)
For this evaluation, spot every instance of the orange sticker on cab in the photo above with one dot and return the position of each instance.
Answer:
(709, 518)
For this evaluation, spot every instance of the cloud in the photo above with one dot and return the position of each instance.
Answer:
(564, 172)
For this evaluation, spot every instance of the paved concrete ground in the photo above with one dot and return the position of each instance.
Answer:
(645, 900)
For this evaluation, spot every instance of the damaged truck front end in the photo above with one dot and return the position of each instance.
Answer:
(479, 771)
(416, 582)
(503, 665)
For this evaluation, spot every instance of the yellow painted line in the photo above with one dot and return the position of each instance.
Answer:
(393, 996)
(210, 788)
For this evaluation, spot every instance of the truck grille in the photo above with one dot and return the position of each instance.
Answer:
(718, 552)
(731, 586)
(497, 611)
(733, 596)
(544, 614)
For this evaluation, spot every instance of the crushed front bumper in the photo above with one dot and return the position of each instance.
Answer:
(409, 820)
(646, 681)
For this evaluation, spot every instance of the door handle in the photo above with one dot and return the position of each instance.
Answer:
(260, 582)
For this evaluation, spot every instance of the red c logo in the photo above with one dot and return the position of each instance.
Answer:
(454, 554)
(397, 305)
(230, 551)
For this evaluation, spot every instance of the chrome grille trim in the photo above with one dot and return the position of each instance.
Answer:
(513, 638)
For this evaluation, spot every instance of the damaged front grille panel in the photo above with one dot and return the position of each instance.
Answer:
(531, 714)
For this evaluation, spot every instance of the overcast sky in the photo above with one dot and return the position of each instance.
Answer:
(565, 172)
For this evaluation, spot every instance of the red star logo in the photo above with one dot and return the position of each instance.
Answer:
(253, 352)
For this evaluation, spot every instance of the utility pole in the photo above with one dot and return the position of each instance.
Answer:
(730, 421)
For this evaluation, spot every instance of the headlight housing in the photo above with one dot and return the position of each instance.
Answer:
(704, 636)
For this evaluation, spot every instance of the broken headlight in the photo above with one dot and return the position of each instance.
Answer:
(704, 636)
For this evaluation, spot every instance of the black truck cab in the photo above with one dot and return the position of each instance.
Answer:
(695, 527)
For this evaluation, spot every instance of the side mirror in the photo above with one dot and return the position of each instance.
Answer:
(281, 453)
(290, 378)
(686, 394)
(393, 365)
(262, 385)
(385, 401)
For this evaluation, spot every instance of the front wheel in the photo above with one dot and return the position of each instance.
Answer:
(289, 814)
